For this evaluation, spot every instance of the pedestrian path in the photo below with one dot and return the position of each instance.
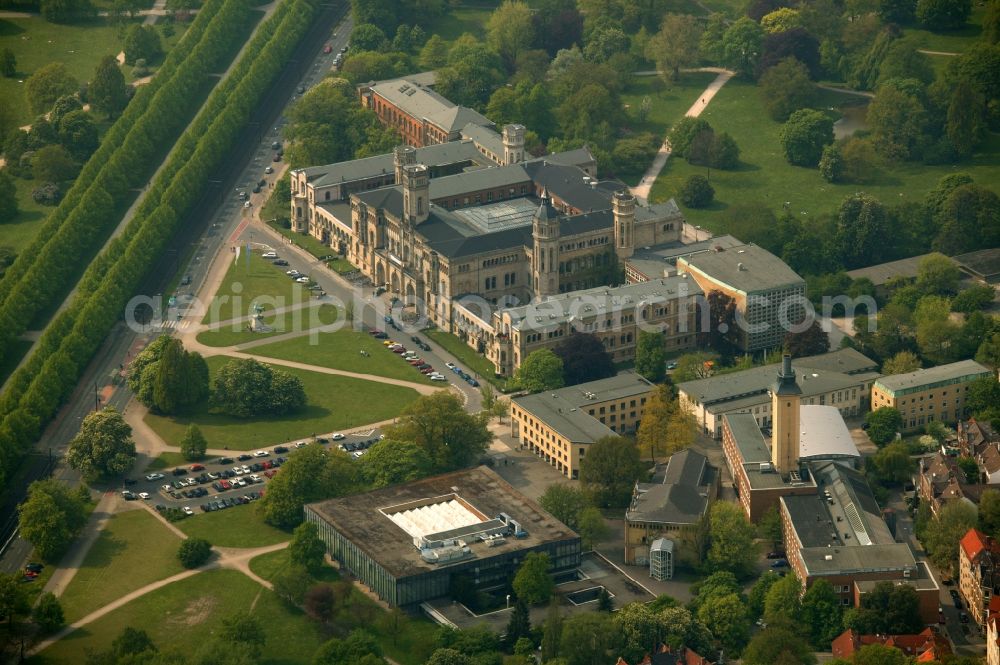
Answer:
(641, 191)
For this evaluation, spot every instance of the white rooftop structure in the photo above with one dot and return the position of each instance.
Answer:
(824, 435)
(448, 514)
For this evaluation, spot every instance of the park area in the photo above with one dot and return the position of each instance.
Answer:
(240, 526)
(253, 282)
(343, 350)
(333, 403)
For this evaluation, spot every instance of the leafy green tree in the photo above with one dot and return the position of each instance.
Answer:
(684, 132)
(50, 518)
(697, 192)
(641, 628)
(943, 14)
(587, 639)
(53, 163)
(732, 539)
(103, 448)
(650, 356)
(810, 342)
(107, 91)
(14, 603)
(676, 45)
(897, 122)
(434, 53)
(540, 370)
(584, 358)
(311, 474)
(48, 614)
(892, 463)
(902, 61)
(359, 648)
(78, 133)
(899, 12)
(937, 275)
(244, 631)
(782, 602)
(440, 426)
(862, 223)
(901, 363)
(142, 42)
(592, 527)
(519, 625)
(944, 531)
(966, 220)
(246, 388)
(609, 471)
(291, 584)
(883, 423)
(170, 385)
(694, 366)
(8, 63)
(726, 617)
(989, 512)
(532, 583)
(758, 593)
(307, 549)
(786, 88)
(390, 462)
(973, 299)
(887, 609)
(368, 37)
(320, 602)
(8, 196)
(776, 645)
(509, 31)
(565, 502)
(472, 73)
(741, 45)
(194, 552)
(804, 136)
(823, 612)
(193, 445)
(448, 657)
(131, 642)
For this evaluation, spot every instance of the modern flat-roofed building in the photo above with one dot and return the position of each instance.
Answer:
(769, 295)
(926, 395)
(838, 534)
(560, 425)
(674, 509)
(841, 379)
(412, 542)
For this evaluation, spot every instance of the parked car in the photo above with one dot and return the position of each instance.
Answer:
(280, 449)
(269, 170)
(179, 471)
(472, 382)
(327, 49)
(269, 255)
(225, 460)
(777, 554)
(244, 457)
(262, 453)
(424, 346)
(128, 495)
(450, 366)
(187, 511)
(197, 467)
(154, 476)
(280, 262)
(780, 563)
(338, 437)
(438, 377)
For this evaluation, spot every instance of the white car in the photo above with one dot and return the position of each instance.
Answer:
(187, 510)
(144, 496)
(301, 444)
(167, 488)
(438, 377)
(255, 478)
(154, 476)
(238, 470)
(450, 365)
(261, 453)
(293, 271)
(304, 279)
(338, 437)
(247, 204)
(269, 255)
(269, 170)
(245, 470)
(238, 482)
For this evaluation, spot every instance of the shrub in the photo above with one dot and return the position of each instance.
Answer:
(697, 192)
(194, 552)
(47, 194)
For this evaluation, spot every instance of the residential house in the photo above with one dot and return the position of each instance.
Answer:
(978, 572)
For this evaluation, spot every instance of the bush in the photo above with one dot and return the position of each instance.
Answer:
(684, 132)
(48, 194)
(194, 552)
(805, 135)
(697, 192)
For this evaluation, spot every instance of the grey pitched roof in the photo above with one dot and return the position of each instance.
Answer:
(438, 155)
(484, 136)
(682, 498)
(421, 102)
(883, 272)
(579, 157)
(478, 179)
(566, 183)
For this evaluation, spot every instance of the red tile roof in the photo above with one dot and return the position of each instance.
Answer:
(974, 543)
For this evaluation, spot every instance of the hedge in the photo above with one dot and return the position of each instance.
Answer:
(91, 209)
(38, 389)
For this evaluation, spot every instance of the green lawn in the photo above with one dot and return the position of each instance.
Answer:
(342, 350)
(668, 104)
(259, 282)
(949, 41)
(334, 403)
(133, 550)
(20, 230)
(314, 247)
(187, 614)
(456, 22)
(167, 461)
(233, 527)
(465, 354)
(270, 564)
(765, 176)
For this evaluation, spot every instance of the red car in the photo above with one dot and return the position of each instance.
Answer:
(197, 467)
(400, 350)
(327, 49)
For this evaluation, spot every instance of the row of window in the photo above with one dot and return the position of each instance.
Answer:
(568, 247)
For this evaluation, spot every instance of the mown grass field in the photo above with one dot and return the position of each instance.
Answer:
(269, 565)
(463, 352)
(342, 350)
(188, 613)
(234, 527)
(764, 175)
(334, 403)
(133, 550)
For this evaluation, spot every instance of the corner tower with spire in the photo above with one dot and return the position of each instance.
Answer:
(786, 397)
(545, 257)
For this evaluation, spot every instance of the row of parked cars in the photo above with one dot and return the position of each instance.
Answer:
(413, 359)
(229, 502)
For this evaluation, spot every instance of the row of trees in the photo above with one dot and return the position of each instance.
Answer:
(168, 379)
(35, 391)
(125, 158)
(432, 435)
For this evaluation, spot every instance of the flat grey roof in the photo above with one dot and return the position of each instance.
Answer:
(746, 268)
(589, 304)
(814, 374)
(848, 560)
(883, 272)
(749, 440)
(359, 519)
(983, 263)
(922, 377)
(565, 409)
(824, 435)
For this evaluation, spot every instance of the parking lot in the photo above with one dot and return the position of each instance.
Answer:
(223, 482)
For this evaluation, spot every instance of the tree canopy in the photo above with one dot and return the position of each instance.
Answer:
(609, 471)
(438, 424)
(103, 448)
(539, 371)
(51, 517)
(584, 358)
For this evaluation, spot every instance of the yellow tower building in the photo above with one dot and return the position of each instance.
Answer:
(785, 398)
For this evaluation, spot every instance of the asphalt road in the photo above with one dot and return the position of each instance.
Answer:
(95, 390)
